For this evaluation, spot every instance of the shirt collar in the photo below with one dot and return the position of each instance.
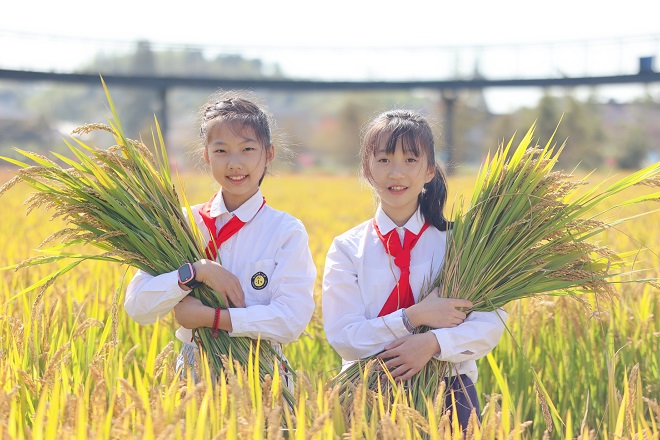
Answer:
(385, 224)
(245, 212)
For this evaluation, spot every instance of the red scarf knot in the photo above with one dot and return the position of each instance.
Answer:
(228, 230)
(401, 296)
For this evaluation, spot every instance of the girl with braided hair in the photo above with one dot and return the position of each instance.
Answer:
(258, 258)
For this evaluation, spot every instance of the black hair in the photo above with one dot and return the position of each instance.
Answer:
(416, 137)
(241, 113)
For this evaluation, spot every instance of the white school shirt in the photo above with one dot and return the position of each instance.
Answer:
(271, 242)
(359, 277)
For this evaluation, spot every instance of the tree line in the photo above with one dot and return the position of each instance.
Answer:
(321, 130)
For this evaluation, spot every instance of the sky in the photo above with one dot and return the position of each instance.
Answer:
(343, 39)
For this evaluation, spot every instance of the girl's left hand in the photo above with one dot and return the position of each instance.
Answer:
(407, 356)
(191, 313)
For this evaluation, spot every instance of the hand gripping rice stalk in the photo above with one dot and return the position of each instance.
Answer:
(123, 201)
(526, 231)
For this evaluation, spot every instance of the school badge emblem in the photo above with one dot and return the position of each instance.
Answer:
(259, 280)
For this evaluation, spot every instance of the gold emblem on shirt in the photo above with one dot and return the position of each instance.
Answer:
(259, 280)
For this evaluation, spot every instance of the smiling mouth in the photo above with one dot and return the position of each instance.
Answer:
(397, 188)
(237, 179)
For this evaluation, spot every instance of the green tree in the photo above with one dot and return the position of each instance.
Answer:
(140, 104)
(636, 147)
(576, 123)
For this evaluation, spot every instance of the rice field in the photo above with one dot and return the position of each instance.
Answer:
(73, 364)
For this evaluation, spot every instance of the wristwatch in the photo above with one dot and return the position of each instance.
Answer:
(187, 276)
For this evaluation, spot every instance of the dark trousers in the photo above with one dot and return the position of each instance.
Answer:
(465, 398)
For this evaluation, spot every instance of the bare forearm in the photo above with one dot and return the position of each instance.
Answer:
(207, 317)
(191, 313)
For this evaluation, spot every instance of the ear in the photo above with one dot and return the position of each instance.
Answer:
(430, 175)
(206, 155)
(270, 154)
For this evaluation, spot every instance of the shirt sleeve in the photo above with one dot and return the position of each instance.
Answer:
(149, 297)
(347, 328)
(292, 289)
(473, 339)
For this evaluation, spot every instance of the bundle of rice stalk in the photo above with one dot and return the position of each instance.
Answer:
(526, 231)
(123, 201)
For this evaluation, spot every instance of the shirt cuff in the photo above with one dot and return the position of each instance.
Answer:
(240, 322)
(173, 280)
(394, 323)
(447, 348)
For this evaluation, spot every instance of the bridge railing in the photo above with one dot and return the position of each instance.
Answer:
(582, 58)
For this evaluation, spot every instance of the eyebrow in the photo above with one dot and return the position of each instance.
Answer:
(243, 141)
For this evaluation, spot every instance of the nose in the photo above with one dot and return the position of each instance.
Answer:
(234, 162)
(396, 171)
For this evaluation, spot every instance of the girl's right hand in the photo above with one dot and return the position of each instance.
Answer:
(436, 312)
(220, 280)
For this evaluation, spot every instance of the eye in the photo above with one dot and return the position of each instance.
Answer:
(249, 149)
(219, 150)
(411, 160)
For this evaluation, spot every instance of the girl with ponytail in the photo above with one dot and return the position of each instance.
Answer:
(375, 272)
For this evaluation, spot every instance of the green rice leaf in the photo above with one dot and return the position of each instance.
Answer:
(527, 231)
(122, 202)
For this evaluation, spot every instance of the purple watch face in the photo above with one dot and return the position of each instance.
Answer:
(186, 273)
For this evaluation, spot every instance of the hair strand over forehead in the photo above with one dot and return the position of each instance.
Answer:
(415, 136)
(240, 112)
(391, 127)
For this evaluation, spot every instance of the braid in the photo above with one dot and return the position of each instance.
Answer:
(236, 110)
(240, 113)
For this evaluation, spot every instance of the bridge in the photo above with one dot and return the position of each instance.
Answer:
(594, 65)
(447, 88)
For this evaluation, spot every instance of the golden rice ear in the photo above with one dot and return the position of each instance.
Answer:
(88, 128)
(123, 202)
(528, 231)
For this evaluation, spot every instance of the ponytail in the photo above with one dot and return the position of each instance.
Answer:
(432, 200)
(415, 135)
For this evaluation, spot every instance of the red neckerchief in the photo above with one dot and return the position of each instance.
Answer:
(219, 237)
(401, 296)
